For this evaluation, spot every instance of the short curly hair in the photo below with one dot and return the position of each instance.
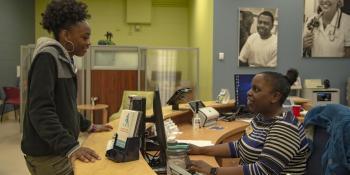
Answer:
(62, 14)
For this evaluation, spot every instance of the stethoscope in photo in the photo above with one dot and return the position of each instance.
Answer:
(331, 34)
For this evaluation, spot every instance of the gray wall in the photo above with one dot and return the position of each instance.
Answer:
(226, 36)
(17, 28)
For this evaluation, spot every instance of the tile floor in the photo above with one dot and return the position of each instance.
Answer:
(11, 156)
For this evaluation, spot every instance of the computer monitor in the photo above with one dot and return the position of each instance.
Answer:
(159, 141)
(159, 121)
(242, 86)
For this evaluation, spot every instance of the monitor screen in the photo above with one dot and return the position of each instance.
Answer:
(324, 96)
(242, 86)
(159, 122)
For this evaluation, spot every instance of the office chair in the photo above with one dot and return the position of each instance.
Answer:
(329, 121)
(126, 102)
(11, 97)
(314, 166)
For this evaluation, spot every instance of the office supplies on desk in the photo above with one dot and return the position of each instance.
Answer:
(322, 96)
(128, 126)
(179, 96)
(197, 142)
(313, 83)
(130, 152)
(229, 118)
(194, 104)
(177, 157)
(208, 116)
(223, 97)
(127, 142)
(176, 169)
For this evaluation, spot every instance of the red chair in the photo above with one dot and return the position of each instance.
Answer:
(12, 97)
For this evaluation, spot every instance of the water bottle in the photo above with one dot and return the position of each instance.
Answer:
(177, 155)
(196, 121)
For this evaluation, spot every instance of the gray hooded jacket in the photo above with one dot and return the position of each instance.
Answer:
(52, 123)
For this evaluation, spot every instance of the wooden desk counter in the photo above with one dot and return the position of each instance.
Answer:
(232, 131)
(98, 142)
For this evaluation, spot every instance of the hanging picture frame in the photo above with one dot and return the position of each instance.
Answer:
(326, 29)
(258, 37)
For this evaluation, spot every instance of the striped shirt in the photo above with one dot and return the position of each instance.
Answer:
(274, 146)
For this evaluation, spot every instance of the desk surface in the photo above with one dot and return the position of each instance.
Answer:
(98, 142)
(92, 107)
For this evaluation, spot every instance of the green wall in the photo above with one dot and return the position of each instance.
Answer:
(201, 36)
(169, 26)
(174, 23)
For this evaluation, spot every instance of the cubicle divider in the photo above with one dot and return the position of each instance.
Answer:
(106, 71)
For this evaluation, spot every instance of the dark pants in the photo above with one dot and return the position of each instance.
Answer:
(49, 165)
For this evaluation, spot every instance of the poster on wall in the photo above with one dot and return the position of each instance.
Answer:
(258, 37)
(326, 31)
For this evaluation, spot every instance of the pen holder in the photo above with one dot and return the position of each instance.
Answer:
(129, 153)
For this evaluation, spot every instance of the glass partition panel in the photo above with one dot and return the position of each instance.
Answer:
(171, 69)
(79, 63)
(115, 58)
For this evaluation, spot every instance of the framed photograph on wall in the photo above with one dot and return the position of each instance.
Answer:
(258, 37)
(326, 31)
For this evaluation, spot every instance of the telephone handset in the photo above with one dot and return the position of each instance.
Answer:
(223, 97)
(179, 96)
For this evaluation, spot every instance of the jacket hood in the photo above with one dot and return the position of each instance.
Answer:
(43, 42)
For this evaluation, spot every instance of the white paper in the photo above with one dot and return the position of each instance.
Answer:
(197, 142)
(109, 144)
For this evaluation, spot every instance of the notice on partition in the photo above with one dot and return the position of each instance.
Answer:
(128, 126)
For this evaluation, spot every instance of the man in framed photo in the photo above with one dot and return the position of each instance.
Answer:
(260, 49)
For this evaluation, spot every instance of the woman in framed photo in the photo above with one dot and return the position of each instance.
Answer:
(327, 34)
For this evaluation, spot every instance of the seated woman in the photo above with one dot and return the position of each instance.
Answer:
(274, 143)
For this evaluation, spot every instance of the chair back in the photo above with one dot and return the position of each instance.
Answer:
(314, 166)
(126, 101)
(320, 139)
(147, 94)
(326, 127)
(12, 95)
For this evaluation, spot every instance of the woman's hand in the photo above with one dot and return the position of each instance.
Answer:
(200, 166)
(193, 149)
(101, 128)
(308, 40)
(84, 154)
